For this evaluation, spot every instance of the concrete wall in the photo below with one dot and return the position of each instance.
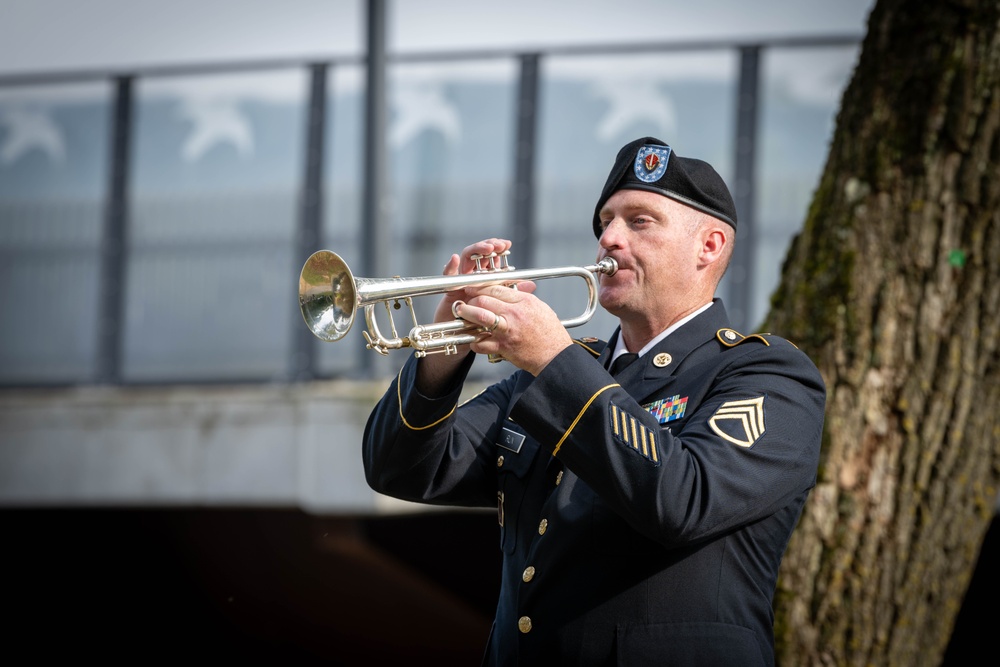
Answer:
(255, 445)
(205, 446)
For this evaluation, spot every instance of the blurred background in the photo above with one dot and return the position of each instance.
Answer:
(179, 456)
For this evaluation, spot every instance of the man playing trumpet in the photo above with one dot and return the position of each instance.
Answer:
(645, 507)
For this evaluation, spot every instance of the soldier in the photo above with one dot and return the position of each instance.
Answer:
(644, 509)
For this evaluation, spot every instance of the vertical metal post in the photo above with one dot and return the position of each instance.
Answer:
(742, 266)
(523, 206)
(114, 240)
(303, 361)
(374, 221)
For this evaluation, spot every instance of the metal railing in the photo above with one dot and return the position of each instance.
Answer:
(523, 229)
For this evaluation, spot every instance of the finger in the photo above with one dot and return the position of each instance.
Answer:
(484, 247)
(494, 245)
(526, 287)
(501, 294)
(478, 315)
(446, 304)
(451, 268)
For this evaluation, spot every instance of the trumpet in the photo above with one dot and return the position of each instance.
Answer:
(330, 296)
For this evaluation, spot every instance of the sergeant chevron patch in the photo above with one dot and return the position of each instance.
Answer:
(630, 432)
(739, 422)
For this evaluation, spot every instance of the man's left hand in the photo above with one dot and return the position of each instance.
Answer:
(522, 328)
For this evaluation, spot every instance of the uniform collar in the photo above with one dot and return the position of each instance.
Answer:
(619, 344)
(663, 359)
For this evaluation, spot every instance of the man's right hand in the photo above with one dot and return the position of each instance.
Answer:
(436, 369)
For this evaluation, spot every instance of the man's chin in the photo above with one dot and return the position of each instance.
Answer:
(611, 302)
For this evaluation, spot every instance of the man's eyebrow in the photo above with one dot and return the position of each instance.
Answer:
(632, 209)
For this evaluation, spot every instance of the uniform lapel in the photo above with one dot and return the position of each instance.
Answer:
(656, 369)
(606, 353)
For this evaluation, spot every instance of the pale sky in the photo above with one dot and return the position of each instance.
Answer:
(58, 35)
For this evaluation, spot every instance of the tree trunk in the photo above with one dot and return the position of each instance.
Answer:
(893, 288)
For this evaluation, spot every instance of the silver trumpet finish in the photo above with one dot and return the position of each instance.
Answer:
(330, 296)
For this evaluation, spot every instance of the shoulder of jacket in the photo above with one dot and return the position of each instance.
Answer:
(593, 345)
(731, 338)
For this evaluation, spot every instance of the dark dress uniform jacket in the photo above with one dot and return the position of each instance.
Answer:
(643, 517)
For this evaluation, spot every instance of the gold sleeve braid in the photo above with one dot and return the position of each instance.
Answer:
(399, 400)
(579, 416)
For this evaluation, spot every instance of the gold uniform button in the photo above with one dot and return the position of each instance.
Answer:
(662, 360)
(543, 526)
(524, 624)
(529, 574)
(559, 478)
(500, 461)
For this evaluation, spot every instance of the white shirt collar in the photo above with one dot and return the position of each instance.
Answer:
(620, 345)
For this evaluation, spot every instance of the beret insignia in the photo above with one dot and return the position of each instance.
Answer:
(651, 162)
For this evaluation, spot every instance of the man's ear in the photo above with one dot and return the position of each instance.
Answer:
(713, 244)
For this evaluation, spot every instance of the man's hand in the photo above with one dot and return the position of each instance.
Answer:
(522, 328)
(462, 264)
(436, 369)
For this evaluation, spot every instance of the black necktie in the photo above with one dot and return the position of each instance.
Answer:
(622, 361)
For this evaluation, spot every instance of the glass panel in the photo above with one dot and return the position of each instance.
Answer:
(53, 176)
(450, 144)
(210, 278)
(591, 107)
(800, 93)
(343, 192)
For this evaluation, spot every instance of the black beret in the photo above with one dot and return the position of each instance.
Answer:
(651, 165)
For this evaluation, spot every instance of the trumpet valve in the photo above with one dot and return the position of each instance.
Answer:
(495, 261)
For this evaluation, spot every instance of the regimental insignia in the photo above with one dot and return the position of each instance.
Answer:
(651, 163)
(731, 338)
(739, 422)
(668, 409)
(630, 432)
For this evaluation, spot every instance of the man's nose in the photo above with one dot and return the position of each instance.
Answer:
(611, 236)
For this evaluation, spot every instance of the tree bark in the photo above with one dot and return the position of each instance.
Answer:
(893, 288)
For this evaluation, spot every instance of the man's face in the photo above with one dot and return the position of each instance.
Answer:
(653, 239)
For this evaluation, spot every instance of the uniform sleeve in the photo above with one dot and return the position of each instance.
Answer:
(749, 445)
(427, 449)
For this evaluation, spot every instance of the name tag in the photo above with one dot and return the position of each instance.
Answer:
(511, 440)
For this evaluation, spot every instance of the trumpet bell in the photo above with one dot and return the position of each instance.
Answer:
(327, 295)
